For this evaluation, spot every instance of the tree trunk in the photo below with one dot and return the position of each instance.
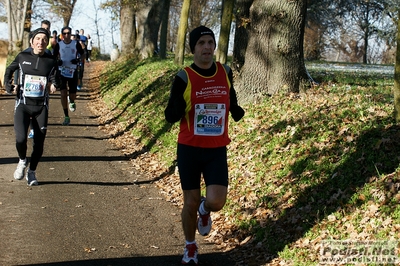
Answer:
(127, 28)
(242, 31)
(153, 27)
(225, 30)
(148, 17)
(11, 28)
(142, 13)
(164, 30)
(16, 18)
(366, 33)
(27, 25)
(196, 13)
(274, 56)
(183, 25)
(397, 75)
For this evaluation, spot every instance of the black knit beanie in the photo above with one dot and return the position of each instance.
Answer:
(37, 31)
(196, 34)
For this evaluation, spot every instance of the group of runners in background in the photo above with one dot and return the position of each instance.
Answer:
(201, 98)
(51, 62)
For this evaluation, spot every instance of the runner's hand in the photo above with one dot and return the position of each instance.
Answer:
(53, 88)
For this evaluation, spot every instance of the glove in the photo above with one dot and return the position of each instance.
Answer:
(9, 88)
(74, 61)
(237, 112)
(59, 62)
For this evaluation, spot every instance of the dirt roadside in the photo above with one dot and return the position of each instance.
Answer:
(87, 209)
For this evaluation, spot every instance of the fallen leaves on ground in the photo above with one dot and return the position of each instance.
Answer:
(278, 211)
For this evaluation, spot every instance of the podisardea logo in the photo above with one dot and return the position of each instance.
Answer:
(359, 252)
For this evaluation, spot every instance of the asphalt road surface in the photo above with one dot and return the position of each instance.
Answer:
(87, 209)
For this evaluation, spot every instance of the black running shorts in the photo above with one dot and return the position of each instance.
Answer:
(72, 83)
(194, 161)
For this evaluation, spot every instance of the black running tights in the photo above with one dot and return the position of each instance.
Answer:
(22, 117)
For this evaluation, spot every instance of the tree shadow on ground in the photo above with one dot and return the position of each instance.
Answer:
(113, 78)
(130, 108)
(376, 153)
(211, 259)
(131, 103)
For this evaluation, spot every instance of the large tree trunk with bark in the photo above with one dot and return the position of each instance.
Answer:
(127, 28)
(242, 29)
(274, 56)
(18, 20)
(148, 15)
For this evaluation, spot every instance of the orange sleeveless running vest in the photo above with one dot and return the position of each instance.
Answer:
(205, 123)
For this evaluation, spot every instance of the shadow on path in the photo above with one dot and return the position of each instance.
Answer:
(204, 259)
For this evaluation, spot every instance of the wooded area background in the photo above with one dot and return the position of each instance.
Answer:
(270, 40)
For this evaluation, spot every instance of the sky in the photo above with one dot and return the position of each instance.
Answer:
(83, 18)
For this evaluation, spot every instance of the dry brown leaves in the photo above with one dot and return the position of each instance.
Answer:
(226, 235)
(149, 165)
(116, 130)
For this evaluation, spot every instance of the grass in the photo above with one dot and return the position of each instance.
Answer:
(303, 168)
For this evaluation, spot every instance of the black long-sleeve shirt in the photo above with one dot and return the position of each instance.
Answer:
(34, 65)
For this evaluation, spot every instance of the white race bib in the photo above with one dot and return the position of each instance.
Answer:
(67, 72)
(209, 119)
(34, 86)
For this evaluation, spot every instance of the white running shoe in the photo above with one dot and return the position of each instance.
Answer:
(72, 107)
(204, 222)
(190, 255)
(20, 171)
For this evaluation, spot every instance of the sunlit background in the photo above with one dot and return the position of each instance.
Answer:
(83, 17)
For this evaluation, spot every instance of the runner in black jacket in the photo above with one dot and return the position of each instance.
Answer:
(38, 74)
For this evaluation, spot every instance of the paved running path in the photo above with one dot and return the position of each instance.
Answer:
(86, 209)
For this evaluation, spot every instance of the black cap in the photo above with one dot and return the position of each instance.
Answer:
(39, 30)
(196, 34)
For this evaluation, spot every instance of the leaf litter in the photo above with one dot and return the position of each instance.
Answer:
(258, 204)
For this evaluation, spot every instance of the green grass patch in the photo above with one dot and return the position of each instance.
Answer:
(303, 168)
